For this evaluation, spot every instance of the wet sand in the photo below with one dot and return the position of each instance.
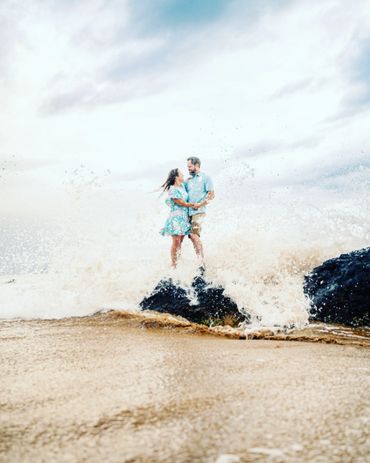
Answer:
(117, 389)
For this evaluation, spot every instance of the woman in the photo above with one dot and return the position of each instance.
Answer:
(177, 224)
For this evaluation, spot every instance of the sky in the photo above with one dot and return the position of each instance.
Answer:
(130, 89)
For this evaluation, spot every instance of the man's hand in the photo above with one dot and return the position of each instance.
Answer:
(210, 195)
(199, 205)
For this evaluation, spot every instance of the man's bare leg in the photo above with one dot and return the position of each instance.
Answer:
(198, 247)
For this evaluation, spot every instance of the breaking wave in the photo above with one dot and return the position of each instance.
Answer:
(95, 245)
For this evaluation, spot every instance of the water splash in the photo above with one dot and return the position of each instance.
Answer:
(99, 248)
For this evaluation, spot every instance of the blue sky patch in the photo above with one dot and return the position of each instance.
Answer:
(362, 72)
(183, 12)
(171, 14)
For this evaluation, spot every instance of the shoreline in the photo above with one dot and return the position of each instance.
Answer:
(152, 320)
(123, 388)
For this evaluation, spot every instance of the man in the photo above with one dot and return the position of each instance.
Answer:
(200, 188)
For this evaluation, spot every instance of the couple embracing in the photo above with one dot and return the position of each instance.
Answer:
(187, 201)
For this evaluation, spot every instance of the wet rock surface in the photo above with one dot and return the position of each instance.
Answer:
(339, 289)
(202, 303)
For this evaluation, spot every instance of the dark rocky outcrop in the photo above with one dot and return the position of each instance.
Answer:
(339, 289)
(204, 303)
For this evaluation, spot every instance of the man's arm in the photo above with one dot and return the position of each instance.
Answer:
(210, 189)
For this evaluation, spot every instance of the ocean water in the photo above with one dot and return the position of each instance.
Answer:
(91, 243)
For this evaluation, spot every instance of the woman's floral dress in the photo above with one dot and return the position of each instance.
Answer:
(177, 222)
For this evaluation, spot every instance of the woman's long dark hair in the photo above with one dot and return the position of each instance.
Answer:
(170, 179)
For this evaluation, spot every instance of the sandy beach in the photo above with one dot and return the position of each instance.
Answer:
(174, 160)
(112, 389)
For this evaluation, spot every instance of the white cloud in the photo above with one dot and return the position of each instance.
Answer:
(85, 87)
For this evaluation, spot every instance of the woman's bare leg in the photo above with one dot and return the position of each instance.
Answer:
(181, 239)
(175, 249)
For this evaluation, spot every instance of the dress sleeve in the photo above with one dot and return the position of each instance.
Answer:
(175, 194)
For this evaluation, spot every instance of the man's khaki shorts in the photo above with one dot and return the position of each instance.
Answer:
(196, 223)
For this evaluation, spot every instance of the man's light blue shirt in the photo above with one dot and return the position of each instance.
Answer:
(197, 186)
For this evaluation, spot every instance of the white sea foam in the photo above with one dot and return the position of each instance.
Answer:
(98, 246)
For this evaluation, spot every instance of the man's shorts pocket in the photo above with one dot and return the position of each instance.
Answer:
(196, 223)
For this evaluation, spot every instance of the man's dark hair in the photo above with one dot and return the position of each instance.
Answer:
(194, 160)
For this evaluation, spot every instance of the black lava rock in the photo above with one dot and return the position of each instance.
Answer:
(210, 307)
(165, 297)
(339, 289)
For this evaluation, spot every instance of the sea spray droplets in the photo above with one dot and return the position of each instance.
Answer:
(103, 249)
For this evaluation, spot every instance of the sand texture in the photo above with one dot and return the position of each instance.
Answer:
(115, 389)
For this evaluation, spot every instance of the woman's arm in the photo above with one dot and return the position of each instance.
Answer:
(181, 202)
